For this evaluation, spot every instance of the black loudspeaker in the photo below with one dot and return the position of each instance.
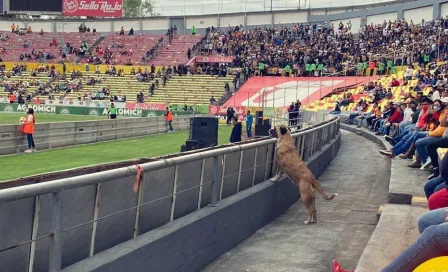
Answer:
(204, 130)
(192, 145)
(259, 117)
(262, 130)
(267, 122)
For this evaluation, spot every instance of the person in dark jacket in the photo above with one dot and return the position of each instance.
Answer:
(236, 131)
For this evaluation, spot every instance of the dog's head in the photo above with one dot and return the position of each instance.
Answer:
(281, 132)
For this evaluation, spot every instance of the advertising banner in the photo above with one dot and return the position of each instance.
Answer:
(89, 104)
(93, 8)
(77, 110)
(281, 91)
(214, 59)
(221, 112)
(145, 106)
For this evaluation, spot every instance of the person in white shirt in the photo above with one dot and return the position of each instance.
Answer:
(408, 73)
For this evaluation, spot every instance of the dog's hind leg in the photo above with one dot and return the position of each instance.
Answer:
(313, 207)
(307, 202)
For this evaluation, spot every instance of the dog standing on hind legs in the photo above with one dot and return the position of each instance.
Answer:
(290, 163)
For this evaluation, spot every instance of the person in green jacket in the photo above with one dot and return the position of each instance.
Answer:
(307, 69)
(364, 68)
(320, 68)
(359, 68)
(112, 112)
(313, 68)
(380, 68)
(394, 70)
(261, 68)
(390, 64)
(426, 59)
(193, 30)
(287, 70)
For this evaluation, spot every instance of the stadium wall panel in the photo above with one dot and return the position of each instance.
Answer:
(444, 10)
(201, 22)
(418, 14)
(232, 20)
(290, 17)
(379, 19)
(156, 24)
(259, 19)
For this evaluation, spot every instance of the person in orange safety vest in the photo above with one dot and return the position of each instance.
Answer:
(169, 119)
(28, 129)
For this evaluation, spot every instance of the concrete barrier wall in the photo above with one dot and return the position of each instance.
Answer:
(194, 241)
(54, 135)
(75, 218)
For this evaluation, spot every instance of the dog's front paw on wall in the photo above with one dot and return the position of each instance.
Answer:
(275, 179)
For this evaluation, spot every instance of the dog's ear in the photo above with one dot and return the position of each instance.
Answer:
(283, 130)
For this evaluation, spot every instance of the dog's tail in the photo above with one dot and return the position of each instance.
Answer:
(321, 191)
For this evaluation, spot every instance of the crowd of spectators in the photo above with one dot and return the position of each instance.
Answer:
(415, 124)
(314, 49)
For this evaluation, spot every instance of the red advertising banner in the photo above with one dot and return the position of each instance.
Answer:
(93, 8)
(221, 111)
(214, 59)
(145, 106)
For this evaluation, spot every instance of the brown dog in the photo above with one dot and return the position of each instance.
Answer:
(290, 163)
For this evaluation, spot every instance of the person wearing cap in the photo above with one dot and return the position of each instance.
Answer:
(396, 117)
(433, 136)
(404, 146)
(436, 127)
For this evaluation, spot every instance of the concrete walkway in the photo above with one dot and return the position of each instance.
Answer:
(361, 178)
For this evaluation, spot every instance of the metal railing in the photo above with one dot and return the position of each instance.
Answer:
(65, 221)
(56, 135)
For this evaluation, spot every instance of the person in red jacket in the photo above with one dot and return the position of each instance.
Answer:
(395, 118)
(28, 129)
(395, 83)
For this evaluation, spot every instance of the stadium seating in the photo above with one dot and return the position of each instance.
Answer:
(191, 90)
(139, 44)
(26, 79)
(176, 52)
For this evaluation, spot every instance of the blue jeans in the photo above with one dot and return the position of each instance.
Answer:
(405, 132)
(405, 143)
(432, 186)
(402, 127)
(385, 130)
(249, 129)
(433, 242)
(352, 116)
(421, 144)
(362, 118)
(30, 140)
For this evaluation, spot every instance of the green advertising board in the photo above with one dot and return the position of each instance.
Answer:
(6, 107)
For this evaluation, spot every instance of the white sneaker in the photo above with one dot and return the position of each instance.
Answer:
(28, 151)
(426, 165)
(34, 150)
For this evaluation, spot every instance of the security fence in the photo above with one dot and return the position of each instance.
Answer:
(54, 135)
(51, 225)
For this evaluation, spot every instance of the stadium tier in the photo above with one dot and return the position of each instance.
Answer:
(185, 89)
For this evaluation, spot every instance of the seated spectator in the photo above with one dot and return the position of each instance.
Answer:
(122, 31)
(54, 43)
(395, 83)
(131, 32)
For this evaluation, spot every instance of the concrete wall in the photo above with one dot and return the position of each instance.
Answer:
(99, 211)
(359, 15)
(194, 241)
(54, 135)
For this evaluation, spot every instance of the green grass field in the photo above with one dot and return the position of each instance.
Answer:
(21, 165)
(13, 118)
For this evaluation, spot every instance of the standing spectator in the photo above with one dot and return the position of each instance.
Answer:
(249, 120)
(189, 53)
(169, 119)
(193, 31)
(11, 97)
(237, 130)
(28, 129)
(112, 111)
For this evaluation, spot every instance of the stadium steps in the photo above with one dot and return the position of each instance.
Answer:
(92, 47)
(396, 230)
